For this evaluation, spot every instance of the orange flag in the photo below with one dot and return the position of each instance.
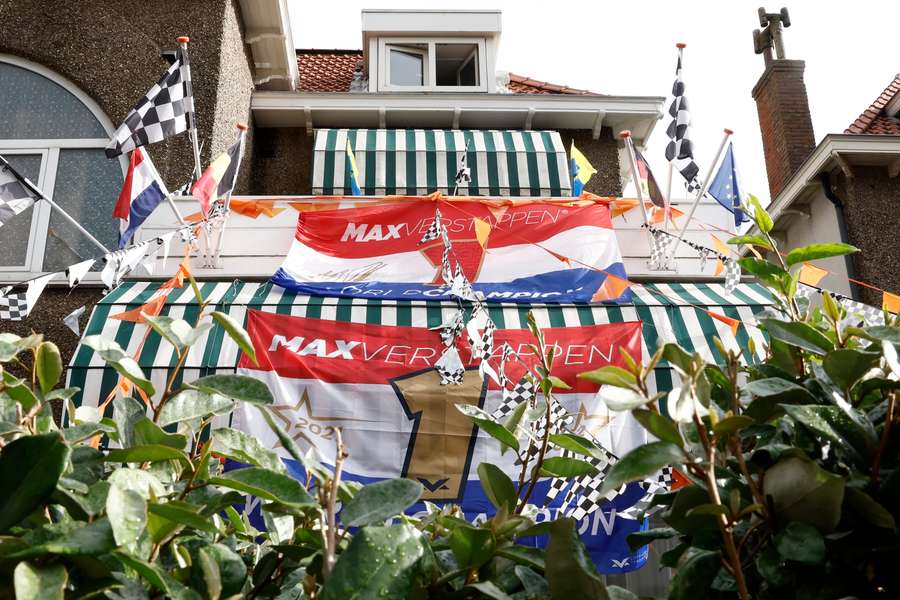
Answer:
(151, 307)
(891, 302)
(721, 248)
(482, 231)
(657, 214)
(184, 271)
(811, 274)
(733, 323)
(612, 288)
(559, 257)
(254, 208)
(622, 206)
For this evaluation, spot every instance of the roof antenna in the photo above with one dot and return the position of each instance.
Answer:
(772, 35)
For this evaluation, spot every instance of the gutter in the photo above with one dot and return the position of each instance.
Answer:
(825, 180)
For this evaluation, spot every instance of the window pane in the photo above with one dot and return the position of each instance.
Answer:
(456, 64)
(407, 68)
(87, 186)
(33, 107)
(14, 233)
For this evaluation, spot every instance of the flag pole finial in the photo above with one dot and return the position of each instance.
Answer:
(681, 45)
(624, 134)
(241, 125)
(182, 39)
(729, 131)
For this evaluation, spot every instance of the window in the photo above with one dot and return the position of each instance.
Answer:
(54, 134)
(442, 64)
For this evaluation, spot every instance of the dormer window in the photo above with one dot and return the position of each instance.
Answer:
(436, 64)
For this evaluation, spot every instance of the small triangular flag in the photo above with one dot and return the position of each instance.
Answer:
(35, 289)
(482, 231)
(733, 323)
(75, 273)
(559, 256)
(164, 241)
(891, 302)
(71, 320)
(811, 274)
(152, 307)
(611, 289)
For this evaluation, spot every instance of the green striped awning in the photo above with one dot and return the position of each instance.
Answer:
(421, 161)
(665, 310)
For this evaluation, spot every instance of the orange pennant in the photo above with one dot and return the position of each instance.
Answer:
(657, 214)
(612, 288)
(811, 274)
(151, 307)
(622, 206)
(558, 256)
(720, 266)
(679, 480)
(721, 247)
(482, 231)
(891, 302)
(184, 271)
(733, 323)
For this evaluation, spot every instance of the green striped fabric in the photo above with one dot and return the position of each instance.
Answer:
(421, 161)
(665, 309)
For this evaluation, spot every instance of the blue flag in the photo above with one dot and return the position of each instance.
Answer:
(726, 187)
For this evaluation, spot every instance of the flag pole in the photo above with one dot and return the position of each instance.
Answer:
(40, 195)
(625, 136)
(702, 192)
(242, 131)
(192, 130)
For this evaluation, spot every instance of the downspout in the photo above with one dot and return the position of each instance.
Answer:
(825, 180)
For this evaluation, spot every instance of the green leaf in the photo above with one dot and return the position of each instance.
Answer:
(813, 418)
(534, 584)
(236, 333)
(577, 444)
(642, 538)
(188, 405)
(621, 399)
(802, 491)
(380, 562)
(143, 482)
(245, 448)
(696, 570)
(558, 383)
(530, 557)
(115, 356)
(232, 570)
(378, 502)
(489, 425)
(81, 432)
(677, 357)
(91, 539)
(489, 589)
(760, 216)
(30, 467)
(846, 366)
(126, 412)
(183, 514)
(472, 547)
(610, 375)
(147, 432)
(617, 593)
(497, 486)
(570, 572)
(147, 453)
(732, 424)
(765, 271)
(237, 387)
(265, 484)
(751, 240)
(801, 542)
(40, 583)
(563, 466)
(177, 331)
(127, 512)
(641, 462)
(779, 390)
(48, 366)
(817, 251)
(867, 509)
(707, 509)
(799, 334)
(206, 576)
(658, 425)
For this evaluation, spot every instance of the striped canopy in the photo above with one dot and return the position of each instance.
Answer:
(421, 161)
(665, 309)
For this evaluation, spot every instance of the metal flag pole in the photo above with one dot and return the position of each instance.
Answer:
(702, 192)
(667, 201)
(40, 195)
(242, 132)
(192, 126)
(635, 176)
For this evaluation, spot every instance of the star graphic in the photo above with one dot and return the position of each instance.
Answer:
(297, 428)
(591, 423)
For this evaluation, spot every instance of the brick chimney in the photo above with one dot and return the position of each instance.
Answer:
(782, 104)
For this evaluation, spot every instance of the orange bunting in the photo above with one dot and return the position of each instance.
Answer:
(679, 480)
(254, 208)
(721, 247)
(891, 302)
(183, 272)
(811, 274)
(622, 206)
(657, 214)
(136, 315)
(558, 256)
(733, 323)
(612, 288)
(482, 231)
(720, 266)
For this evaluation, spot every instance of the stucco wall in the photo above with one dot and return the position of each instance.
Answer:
(603, 154)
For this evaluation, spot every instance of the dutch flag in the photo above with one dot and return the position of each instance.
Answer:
(141, 194)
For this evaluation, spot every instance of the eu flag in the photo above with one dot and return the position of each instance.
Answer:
(726, 187)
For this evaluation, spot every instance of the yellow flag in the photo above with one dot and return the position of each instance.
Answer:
(811, 274)
(584, 168)
(482, 231)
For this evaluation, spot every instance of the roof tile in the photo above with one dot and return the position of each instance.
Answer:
(873, 120)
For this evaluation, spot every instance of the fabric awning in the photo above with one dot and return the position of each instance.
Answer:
(421, 161)
(665, 310)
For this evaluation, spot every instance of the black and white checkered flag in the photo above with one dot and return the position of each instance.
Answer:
(659, 249)
(434, 230)
(870, 315)
(166, 110)
(450, 367)
(506, 352)
(732, 274)
(13, 307)
(523, 391)
(463, 173)
(15, 194)
(679, 151)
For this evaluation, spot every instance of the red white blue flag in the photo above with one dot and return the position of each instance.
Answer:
(533, 252)
(142, 192)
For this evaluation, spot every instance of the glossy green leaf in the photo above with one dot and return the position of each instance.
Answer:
(804, 492)
(577, 444)
(143, 482)
(245, 448)
(801, 542)
(563, 466)
(188, 405)
(621, 399)
(40, 583)
(642, 538)
(206, 577)
(231, 568)
(530, 557)
(750, 240)
(677, 357)
(617, 593)
(696, 570)
(146, 432)
(78, 433)
(764, 270)
(177, 331)
(486, 422)
(236, 333)
(472, 547)
(115, 356)
(183, 514)
(817, 251)
(867, 509)
(641, 462)
(799, 334)
(127, 513)
(30, 467)
(48, 366)
(779, 390)
(489, 589)
(708, 510)
(148, 453)
(814, 418)
(378, 502)
(535, 585)
(570, 572)
(610, 375)
(732, 424)
(846, 366)
(126, 412)
(237, 387)
(760, 216)
(91, 539)
(265, 484)
(497, 486)
(660, 426)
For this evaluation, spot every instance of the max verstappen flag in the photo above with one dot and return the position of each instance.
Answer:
(375, 251)
(377, 384)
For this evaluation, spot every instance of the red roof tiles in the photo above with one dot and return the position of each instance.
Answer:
(874, 120)
(332, 71)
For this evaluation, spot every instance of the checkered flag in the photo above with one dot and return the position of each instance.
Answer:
(680, 151)
(434, 230)
(505, 354)
(450, 367)
(732, 274)
(659, 249)
(463, 173)
(451, 328)
(15, 192)
(166, 110)
(868, 314)
(13, 307)
(523, 391)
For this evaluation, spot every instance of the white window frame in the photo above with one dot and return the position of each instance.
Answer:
(49, 150)
(403, 43)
